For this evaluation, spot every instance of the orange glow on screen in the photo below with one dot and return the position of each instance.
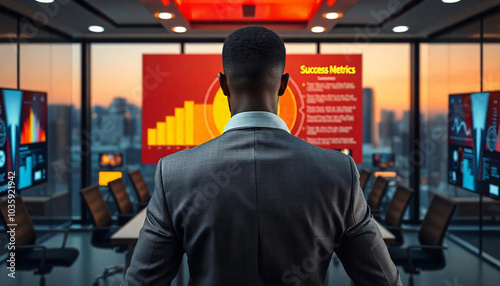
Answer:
(390, 174)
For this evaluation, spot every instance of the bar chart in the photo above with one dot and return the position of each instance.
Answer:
(185, 127)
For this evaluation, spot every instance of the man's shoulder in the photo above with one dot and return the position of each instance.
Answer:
(263, 135)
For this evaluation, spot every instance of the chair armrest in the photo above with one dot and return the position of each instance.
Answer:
(64, 230)
(413, 247)
(92, 228)
(140, 205)
(124, 218)
(393, 227)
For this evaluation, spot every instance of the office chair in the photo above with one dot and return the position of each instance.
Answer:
(377, 194)
(140, 186)
(122, 199)
(103, 228)
(32, 256)
(364, 176)
(428, 255)
(395, 212)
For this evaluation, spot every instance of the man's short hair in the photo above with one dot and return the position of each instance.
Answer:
(253, 52)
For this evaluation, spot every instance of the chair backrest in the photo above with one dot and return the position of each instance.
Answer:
(97, 206)
(25, 230)
(377, 193)
(397, 206)
(436, 221)
(121, 196)
(364, 175)
(140, 186)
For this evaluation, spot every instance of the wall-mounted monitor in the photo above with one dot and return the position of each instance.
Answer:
(473, 142)
(383, 160)
(110, 160)
(23, 139)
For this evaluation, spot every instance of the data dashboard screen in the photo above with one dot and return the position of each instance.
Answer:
(473, 142)
(23, 138)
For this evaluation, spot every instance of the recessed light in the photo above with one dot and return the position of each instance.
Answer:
(165, 15)
(400, 29)
(179, 29)
(96, 29)
(450, 1)
(45, 1)
(332, 15)
(318, 29)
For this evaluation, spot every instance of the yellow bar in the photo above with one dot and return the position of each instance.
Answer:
(152, 137)
(170, 130)
(161, 133)
(179, 126)
(106, 177)
(189, 123)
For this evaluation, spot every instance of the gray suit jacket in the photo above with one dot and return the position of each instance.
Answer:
(258, 206)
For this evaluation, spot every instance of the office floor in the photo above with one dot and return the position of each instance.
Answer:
(491, 240)
(464, 268)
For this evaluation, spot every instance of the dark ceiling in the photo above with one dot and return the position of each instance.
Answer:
(363, 20)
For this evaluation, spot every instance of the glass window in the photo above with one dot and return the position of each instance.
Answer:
(54, 68)
(449, 66)
(116, 97)
(491, 82)
(8, 51)
(386, 104)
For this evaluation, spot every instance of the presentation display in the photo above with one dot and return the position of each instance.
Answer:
(183, 105)
(473, 142)
(383, 160)
(110, 160)
(23, 138)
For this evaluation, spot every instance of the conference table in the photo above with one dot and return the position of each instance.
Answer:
(129, 233)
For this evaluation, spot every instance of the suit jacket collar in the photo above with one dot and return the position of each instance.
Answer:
(256, 119)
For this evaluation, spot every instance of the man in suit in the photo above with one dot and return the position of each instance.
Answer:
(257, 205)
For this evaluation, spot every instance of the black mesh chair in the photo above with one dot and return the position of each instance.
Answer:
(396, 211)
(32, 256)
(377, 194)
(364, 176)
(428, 255)
(103, 228)
(140, 187)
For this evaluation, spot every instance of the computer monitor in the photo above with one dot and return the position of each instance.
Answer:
(473, 142)
(23, 139)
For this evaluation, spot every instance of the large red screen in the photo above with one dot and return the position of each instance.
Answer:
(183, 105)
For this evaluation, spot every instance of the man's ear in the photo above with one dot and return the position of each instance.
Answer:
(223, 83)
(284, 84)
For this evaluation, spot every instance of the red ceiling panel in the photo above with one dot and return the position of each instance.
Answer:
(232, 11)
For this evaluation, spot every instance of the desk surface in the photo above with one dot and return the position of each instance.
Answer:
(386, 234)
(129, 233)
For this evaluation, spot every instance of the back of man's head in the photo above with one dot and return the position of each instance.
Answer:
(253, 53)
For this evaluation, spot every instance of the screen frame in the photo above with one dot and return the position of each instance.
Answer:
(45, 181)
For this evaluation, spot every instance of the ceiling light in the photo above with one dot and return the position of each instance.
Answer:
(179, 29)
(96, 29)
(318, 29)
(165, 15)
(450, 1)
(332, 15)
(400, 29)
(45, 1)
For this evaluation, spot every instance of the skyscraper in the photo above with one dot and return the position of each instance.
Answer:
(368, 118)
